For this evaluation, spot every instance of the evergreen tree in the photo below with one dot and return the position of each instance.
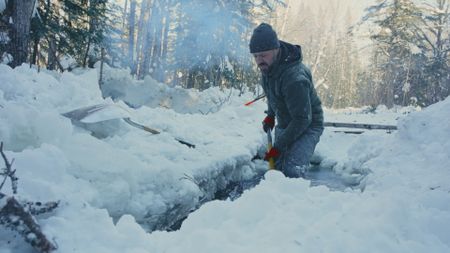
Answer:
(394, 39)
(433, 83)
(215, 52)
(70, 28)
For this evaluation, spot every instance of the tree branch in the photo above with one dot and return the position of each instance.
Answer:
(8, 172)
(14, 216)
(19, 217)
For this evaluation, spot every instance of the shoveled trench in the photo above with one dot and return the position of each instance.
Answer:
(318, 175)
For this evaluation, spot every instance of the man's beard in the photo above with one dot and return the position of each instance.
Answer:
(265, 68)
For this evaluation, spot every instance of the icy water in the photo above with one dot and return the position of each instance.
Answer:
(327, 177)
(316, 175)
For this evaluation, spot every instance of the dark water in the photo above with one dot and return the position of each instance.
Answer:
(316, 175)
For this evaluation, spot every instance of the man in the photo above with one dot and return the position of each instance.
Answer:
(291, 99)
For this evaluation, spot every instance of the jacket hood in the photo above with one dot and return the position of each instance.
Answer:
(290, 53)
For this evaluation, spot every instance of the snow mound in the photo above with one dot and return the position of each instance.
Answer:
(405, 206)
(107, 186)
(119, 85)
(152, 177)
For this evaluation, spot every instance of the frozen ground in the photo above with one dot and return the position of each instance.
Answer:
(115, 188)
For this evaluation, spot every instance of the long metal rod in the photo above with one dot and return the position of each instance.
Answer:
(154, 131)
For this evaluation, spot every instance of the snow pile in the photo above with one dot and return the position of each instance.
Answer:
(31, 104)
(107, 186)
(405, 206)
(120, 86)
(153, 177)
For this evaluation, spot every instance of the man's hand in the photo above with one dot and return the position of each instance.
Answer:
(272, 153)
(268, 123)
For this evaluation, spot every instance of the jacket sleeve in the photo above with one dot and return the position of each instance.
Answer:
(270, 111)
(296, 95)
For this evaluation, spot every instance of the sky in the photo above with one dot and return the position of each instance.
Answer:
(356, 6)
(116, 183)
(319, 9)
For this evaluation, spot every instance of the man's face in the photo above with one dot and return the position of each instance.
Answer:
(265, 59)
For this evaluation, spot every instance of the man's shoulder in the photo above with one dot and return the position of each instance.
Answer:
(296, 72)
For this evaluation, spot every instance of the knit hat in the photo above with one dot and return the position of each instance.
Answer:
(263, 38)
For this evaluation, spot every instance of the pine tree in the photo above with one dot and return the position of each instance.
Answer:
(434, 43)
(69, 28)
(214, 53)
(394, 40)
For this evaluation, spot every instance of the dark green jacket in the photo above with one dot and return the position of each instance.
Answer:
(291, 96)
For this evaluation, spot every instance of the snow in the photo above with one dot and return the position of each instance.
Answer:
(115, 189)
(148, 92)
(112, 111)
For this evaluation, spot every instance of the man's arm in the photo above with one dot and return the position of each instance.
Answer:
(270, 112)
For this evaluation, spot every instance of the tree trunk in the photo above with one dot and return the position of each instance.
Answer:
(151, 38)
(124, 16)
(145, 55)
(165, 45)
(100, 80)
(34, 56)
(142, 34)
(21, 11)
(88, 48)
(131, 28)
(51, 64)
(285, 18)
(157, 24)
(93, 22)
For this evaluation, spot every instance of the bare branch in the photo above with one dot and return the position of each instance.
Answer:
(19, 216)
(218, 103)
(8, 172)
(37, 208)
(193, 180)
(14, 216)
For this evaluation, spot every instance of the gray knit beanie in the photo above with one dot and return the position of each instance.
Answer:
(263, 38)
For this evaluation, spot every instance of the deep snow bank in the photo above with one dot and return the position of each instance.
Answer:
(120, 86)
(152, 177)
(405, 206)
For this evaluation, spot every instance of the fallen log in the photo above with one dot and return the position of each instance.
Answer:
(349, 132)
(360, 125)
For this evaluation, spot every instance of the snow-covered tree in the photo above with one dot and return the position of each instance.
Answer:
(394, 39)
(434, 43)
(410, 59)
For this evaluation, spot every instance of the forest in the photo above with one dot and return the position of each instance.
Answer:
(200, 44)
